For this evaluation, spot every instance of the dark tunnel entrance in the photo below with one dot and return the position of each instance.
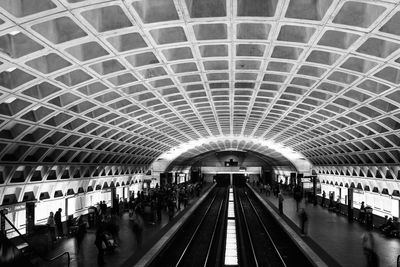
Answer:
(224, 179)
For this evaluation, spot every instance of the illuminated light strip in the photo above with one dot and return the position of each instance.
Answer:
(287, 152)
(231, 211)
(231, 257)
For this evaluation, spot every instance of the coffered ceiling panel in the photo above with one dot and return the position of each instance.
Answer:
(123, 81)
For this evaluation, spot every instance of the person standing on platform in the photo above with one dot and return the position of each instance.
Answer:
(57, 220)
(361, 215)
(185, 199)
(52, 226)
(323, 198)
(103, 208)
(137, 227)
(330, 201)
(297, 197)
(280, 201)
(337, 208)
(275, 190)
(268, 190)
(171, 207)
(159, 208)
(303, 220)
(368, 244)
(81, 232)
(178, 199)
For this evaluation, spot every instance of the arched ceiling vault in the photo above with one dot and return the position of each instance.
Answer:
(121, 82)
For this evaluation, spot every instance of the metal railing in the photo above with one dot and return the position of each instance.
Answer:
(33, 248)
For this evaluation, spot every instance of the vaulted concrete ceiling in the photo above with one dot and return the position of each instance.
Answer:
(121, 82)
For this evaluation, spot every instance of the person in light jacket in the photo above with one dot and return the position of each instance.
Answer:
(51, 223)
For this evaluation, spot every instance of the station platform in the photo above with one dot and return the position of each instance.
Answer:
(330, 240)
(336, 240)
(128, 252)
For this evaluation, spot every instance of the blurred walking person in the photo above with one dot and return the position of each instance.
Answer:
(280, 201)
(137, 228)
(303, 220)
(368, 244)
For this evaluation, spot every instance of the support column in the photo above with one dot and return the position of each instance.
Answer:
(314, 180)
(3, 222)
(231, 178)
(30, 216)
(350, 204)
(113, 196)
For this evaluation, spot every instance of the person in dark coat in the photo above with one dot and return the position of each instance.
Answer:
(297, 197)
(103, 208)
(81, 232)
(57, 220)
(361, 215)
(159, 208)
(280, 201)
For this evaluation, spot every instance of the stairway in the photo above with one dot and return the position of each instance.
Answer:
(10, 255)
(24, 254)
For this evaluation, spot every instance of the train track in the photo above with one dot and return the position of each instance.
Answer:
(199, 241)
(262, 241)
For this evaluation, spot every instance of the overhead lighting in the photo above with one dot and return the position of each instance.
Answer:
(10, 69)
(285, 151)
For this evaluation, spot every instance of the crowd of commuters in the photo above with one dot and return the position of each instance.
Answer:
(367, 238)
(170, 197)
(144, 208)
